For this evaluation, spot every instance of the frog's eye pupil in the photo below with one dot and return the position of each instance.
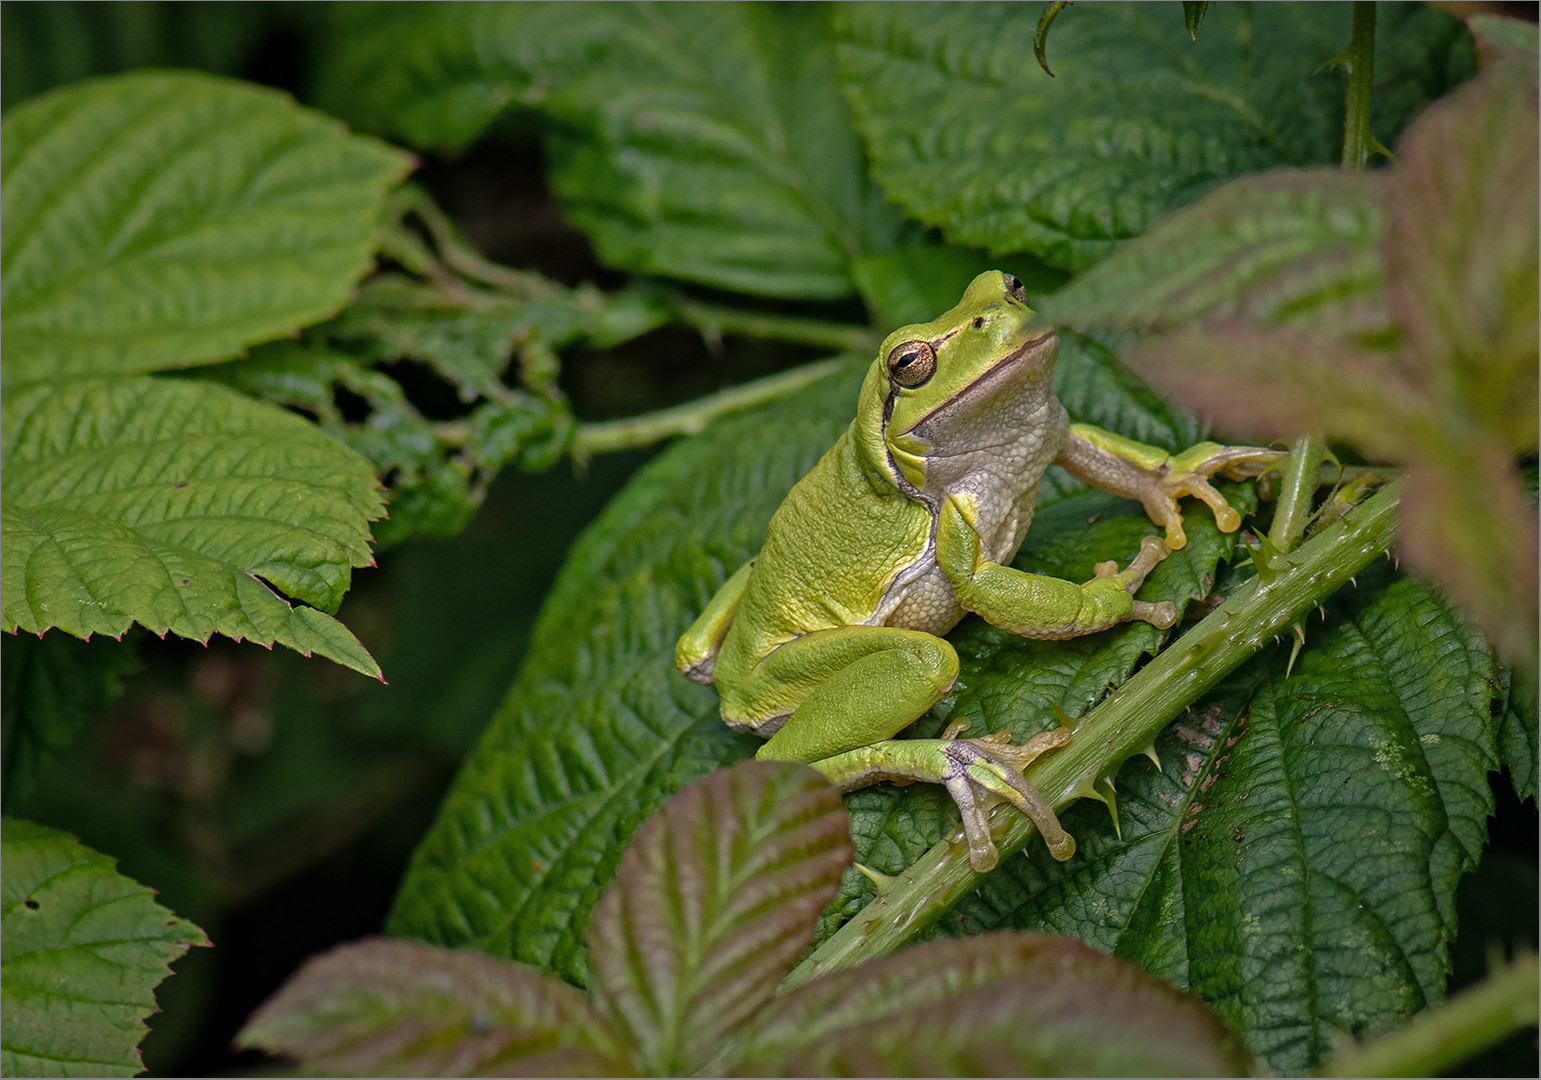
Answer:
(1015, 289)
(912, 364)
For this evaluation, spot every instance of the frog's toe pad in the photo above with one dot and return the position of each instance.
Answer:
(1161, 615)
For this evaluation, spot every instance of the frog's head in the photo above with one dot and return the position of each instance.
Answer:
(967, 380)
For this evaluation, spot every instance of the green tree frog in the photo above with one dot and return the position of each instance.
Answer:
(828, 642)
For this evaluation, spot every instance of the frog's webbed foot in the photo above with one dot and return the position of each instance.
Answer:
(979, 773)
(1189, 473)
(1158, 479)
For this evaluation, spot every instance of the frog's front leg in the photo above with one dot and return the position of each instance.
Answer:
(1035, 605)
(1158, 479)
(850, 689)
(696, 652)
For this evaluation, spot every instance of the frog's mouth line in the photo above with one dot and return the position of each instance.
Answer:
(981, 386)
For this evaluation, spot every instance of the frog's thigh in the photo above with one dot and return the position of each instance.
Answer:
(860, 685)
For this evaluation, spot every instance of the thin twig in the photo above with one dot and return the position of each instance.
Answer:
(713, 322)
(690, 418)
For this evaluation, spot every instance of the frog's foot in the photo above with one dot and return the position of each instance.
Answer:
(1189, 473)
(979, 773)
(1152, 552)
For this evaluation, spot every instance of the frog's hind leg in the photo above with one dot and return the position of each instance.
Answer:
(850, 690)
(849, 687)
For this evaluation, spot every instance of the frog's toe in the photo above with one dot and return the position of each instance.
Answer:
(1195, 484)
(982, 853)
(1161, 507)
(1241, 462)
(1161, 615)
(1152, 553)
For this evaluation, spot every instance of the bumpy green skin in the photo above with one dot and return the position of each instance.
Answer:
(829, 641)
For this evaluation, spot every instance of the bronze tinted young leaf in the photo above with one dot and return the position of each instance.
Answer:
(1462, 249)
(994, 1005)
(1277, 383)
(1468, 526)
(715, 898)
(382, 1007)
(1298, 247)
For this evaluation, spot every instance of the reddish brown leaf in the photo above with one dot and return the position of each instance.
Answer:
(1298, 247)
(1468, 526)
(1500, 38)
(717, 895)
(385, 1007)
(1462, 249)
(996, 1005)
(1277, 383)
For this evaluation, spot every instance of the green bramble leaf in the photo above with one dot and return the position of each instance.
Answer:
(681, 140)
(53, 44)
(1295, 861)
(599, 729)
(497, 351)
(471, 336)
(1041, 32)
(1139, 119)
(1519, 743)
(415, 71)
(172, 504)
(914, 281)
(1096, 388)
(158, 220)
(83, 950)
(1193, 15)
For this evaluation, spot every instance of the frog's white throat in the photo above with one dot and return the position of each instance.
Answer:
(994, 442)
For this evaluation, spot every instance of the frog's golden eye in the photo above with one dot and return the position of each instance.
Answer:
(1016, 290)
(912, 364)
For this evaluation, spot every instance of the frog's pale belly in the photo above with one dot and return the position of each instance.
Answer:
(1004, 480)
(924, 599)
